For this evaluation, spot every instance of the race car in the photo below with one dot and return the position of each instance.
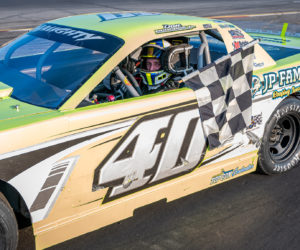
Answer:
(89, 133)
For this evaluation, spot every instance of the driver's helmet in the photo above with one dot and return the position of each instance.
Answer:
(151, 70)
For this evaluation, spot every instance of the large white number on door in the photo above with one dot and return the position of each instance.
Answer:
(157, 147)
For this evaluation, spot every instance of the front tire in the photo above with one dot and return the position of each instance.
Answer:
(8, 226)
(280, 147)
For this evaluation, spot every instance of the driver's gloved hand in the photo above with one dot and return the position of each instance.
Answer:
(171, 85)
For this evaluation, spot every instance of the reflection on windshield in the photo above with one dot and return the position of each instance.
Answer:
(50, 63)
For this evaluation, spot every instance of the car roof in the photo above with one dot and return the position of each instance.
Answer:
(127, 24)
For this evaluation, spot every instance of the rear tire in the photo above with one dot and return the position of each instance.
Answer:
(280, 147)
(8, 226)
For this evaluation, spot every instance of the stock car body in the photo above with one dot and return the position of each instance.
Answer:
(70, 166)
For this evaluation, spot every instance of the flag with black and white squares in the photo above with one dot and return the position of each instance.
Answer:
(223, 92)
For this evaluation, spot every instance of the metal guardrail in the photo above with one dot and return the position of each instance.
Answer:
(16, 30)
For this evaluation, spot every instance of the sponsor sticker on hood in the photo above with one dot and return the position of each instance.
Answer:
(174, 27)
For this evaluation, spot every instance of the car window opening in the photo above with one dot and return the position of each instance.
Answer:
(158, 66)
(45, 68)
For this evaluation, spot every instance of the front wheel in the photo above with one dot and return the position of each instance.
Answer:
(8, 226)
(280, 147)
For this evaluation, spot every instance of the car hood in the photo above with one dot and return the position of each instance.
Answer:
(11, 109)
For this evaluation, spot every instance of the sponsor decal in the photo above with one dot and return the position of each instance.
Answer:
(282, 112)
(219, 21)
(294, 162)
(259, 65)
(226, 26)
(281, 93)
(113, 16)
(158, 147)
(271, 80)
(285, 92)
(239, 44)
(236, 34)
(90, 39)
(127, 82)
(256, 85)
(174, 27)
(255, 121)
(225, 175)
(76, 35)
(207, 26)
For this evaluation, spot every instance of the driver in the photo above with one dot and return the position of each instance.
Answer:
(154, 77)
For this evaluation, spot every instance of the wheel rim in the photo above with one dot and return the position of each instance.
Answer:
(284, 138)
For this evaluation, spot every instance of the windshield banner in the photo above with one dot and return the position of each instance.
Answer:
(78, 37)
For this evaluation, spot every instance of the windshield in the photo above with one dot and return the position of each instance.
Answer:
(47, 65)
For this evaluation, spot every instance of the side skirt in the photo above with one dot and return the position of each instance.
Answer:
(109, 213)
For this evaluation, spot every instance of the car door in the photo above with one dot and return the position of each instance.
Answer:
(143, 142)
(123, 148)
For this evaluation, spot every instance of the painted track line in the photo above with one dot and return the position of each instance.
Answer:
(258, 15)
(15, 30)
(217, 17)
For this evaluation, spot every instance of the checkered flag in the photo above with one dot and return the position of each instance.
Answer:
(223, 92)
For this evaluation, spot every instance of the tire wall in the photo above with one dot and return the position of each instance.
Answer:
(268, 165)
(16, 201)
(263, 110)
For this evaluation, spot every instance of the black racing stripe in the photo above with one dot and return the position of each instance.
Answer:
(42, 199)
(61, 170)
(11, 167)
(218, 156)
(107, 142)
(132, 116)
(262, 98)
(186, 141)
(52, 181)
(89, 202)
(60, 166)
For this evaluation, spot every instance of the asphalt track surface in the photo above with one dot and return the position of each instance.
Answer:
(252, 212)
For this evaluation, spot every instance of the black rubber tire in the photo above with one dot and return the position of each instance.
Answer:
(280, 147)
(8, 226)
